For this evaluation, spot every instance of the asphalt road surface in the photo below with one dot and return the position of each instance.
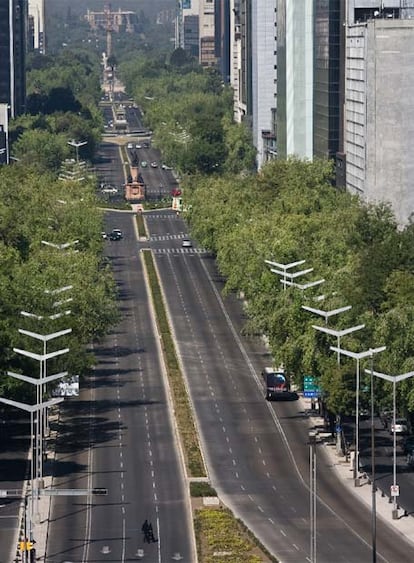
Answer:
(118, 435)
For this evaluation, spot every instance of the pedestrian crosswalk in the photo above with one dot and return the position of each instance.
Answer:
(150, 216)
(168, 237)
(179, 251)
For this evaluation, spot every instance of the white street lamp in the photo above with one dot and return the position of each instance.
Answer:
(357, 356)
(338, 334)
(31, 409)
(327, 314)
(394, 380)
(42, 359)
(59, 289)
(302, 286)
(285, 268)
(77, 144)
(60, 246)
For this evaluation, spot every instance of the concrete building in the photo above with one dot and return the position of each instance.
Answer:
(264, 68)
(379, 125)
(37, 25)
(207, 49)
(191, 27)
(13, 29)
(295, 34)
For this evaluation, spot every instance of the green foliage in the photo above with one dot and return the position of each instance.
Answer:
(288, 212)
(29, 213)
(189, 109)
(201, 489)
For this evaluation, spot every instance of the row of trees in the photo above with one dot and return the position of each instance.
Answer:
(190, 111)
(288, 212)
(62, 104)
(35, 208)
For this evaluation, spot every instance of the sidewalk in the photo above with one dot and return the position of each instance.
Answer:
(404, 524)
(42, 506)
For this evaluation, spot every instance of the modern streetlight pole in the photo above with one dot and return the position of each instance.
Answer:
(357, 356)
(338, 334)
(31, 409)
(327, 314)
(284, 268)
(63, 246)
(312, 494)
(394, 379)
(77, 144)
(42, 359)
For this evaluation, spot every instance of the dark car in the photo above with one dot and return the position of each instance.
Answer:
(115, 234)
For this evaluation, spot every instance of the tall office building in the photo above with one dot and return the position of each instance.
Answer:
(264, 67)
(295, 42)
(379, 117)
(37, 25)
(328, 77)
(207, 34)
(190, 27)
(13, 26)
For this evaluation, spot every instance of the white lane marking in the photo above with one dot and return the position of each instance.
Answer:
(123, 538)
(295, 546)
(283, 533)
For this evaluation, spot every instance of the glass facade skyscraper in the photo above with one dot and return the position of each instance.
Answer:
(13, 21)
(327, 78)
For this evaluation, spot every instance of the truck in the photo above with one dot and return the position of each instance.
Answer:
(276, 385)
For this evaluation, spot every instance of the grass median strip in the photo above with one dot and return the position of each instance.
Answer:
(182, 407)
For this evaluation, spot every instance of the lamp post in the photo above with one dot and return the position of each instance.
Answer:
(357, 356)
(284, 268)
(31, 409)
(63, 246)
(338, 334)
(394, 380)
(327, 314)
(312, 494)
(302, 286)
(42, 359)
(77, 144)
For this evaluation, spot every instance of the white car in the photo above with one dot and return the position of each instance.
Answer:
(165, 167)
(138, 146)
(400, 427)
(186, 243)
(109, 190)
(154, 164)
(130, 146)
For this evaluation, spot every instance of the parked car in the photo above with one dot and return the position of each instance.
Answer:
(144, 164)
(146, 145)
(104, 235)
(186, 243)
(400, 426)
(130, 146)
(138, 146)
(165, 167)
(154, 164)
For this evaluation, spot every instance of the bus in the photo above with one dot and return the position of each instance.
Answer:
(275, 382)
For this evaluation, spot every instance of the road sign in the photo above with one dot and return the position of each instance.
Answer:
(310, 387)
(395, 490)
(26, 545)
